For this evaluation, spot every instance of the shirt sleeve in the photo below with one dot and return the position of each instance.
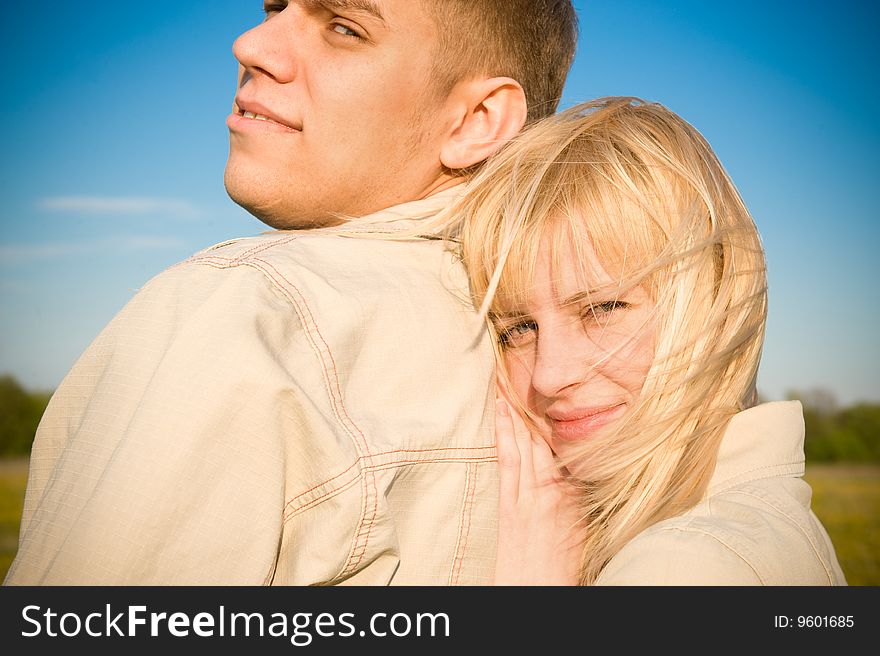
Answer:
(165, 456)
(678, 556)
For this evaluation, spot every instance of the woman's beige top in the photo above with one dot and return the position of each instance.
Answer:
(754, 527)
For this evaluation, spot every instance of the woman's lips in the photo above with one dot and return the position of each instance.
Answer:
(580, 424)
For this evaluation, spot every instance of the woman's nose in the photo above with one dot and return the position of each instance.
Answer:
(563, 361)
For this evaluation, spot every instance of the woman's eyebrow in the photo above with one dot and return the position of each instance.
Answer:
(513, 315)
(586, 295)
(617, 292)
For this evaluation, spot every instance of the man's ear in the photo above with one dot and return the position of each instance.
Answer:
(487, 114)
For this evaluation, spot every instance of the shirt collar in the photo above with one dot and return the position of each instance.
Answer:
(761, 442)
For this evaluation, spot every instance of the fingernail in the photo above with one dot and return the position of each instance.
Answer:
(501, 407)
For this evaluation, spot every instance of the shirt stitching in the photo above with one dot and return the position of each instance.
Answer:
(265, 245)
(794, 521)
(226, 263)
(464, 524)
(771, 471)
(370, 488)
(717, 539)
(365, 523)
(361, 460)
(368, 517)
(288, 513)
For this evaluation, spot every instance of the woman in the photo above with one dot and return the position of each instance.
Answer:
(625, 282)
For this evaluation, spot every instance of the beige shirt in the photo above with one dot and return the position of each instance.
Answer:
(296, 408)
(754, 527)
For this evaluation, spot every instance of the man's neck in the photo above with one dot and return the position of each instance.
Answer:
(442, 183)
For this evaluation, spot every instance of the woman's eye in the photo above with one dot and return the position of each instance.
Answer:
(518, 334)
(602, 311)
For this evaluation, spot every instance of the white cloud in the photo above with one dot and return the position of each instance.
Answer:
(11, 254)
(121, 205)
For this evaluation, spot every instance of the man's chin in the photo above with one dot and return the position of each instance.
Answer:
(272, 209)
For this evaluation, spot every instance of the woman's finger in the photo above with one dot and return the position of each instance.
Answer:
(546, 469)
(508, 454)
(524, 444)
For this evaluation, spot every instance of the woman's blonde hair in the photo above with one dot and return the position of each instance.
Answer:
(646, 190)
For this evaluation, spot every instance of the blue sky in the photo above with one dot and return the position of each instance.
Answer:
(115, 144)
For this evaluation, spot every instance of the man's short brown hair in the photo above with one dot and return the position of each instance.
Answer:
(531, 41)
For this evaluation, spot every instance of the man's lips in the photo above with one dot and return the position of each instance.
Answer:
(579, 423)
(247, 111)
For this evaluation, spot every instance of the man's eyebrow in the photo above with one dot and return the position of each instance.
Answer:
(368, 7)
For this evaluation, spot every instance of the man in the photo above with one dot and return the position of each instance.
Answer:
(309, 406)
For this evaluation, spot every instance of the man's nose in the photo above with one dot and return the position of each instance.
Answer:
(270, 48)
(563, 361)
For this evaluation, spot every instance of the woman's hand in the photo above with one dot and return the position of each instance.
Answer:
(538, 542)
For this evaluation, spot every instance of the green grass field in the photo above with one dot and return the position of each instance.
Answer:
(845, 497)
(13, 478)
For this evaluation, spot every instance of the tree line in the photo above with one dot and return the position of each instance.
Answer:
(839, 434)
(834, 433)
(20, 412)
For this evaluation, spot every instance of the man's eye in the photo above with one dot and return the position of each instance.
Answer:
(518, 334)
(344, 30)
(272, 8)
